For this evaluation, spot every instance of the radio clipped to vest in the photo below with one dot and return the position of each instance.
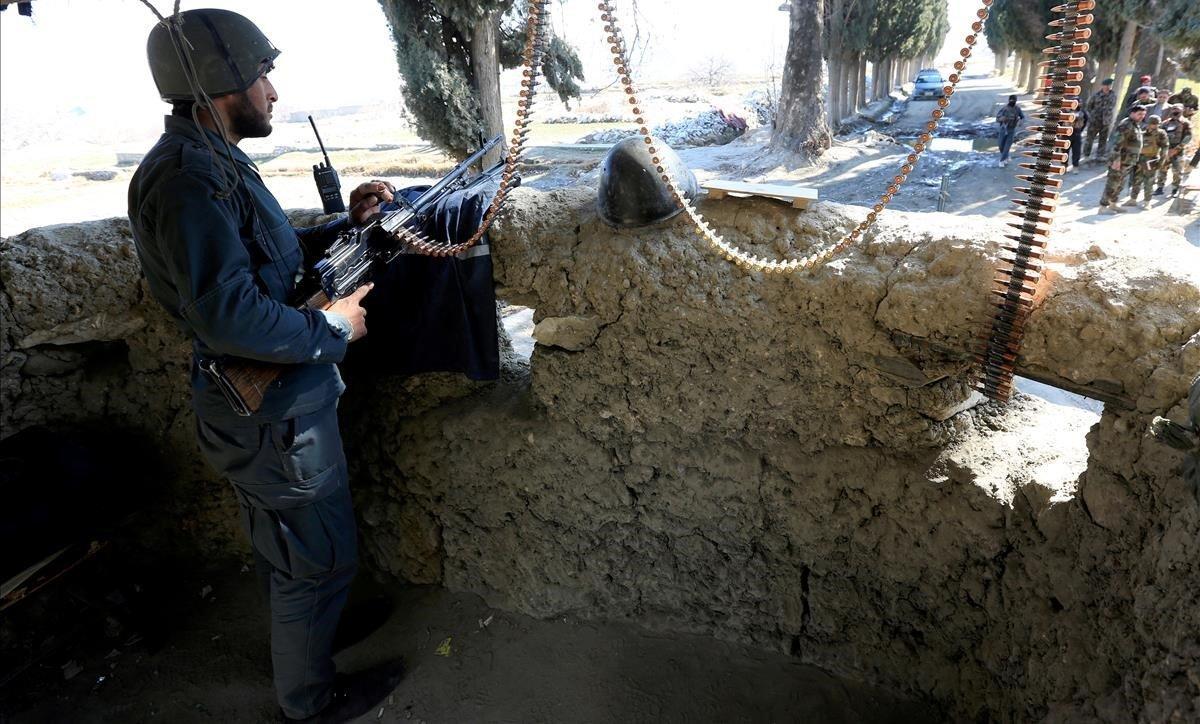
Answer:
(328, 184)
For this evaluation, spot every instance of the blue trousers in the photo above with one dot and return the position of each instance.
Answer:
(293, 491)
(1006, 139)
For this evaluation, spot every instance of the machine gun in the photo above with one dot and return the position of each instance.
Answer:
(349, 263)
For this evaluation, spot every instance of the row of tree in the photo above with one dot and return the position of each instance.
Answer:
(897, 37)
(1130, 38)
(450, 53)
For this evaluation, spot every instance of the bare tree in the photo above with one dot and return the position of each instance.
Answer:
(712, 72)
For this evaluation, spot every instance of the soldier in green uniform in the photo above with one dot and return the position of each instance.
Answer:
(1153, 157)
(1185, 98)
(1125, 155)
(1179, 135)
(1100, 112)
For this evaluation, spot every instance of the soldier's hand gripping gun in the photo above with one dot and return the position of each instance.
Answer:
(348, 264)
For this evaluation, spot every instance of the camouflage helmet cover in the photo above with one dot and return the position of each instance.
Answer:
(228, 51)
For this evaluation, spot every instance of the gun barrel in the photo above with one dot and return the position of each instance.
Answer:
(400, 217)
(435, 192)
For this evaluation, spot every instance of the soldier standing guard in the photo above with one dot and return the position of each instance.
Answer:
(1126, 153)
(1179, 135)
(1100, 109)
(221, 257)
(1153, 157)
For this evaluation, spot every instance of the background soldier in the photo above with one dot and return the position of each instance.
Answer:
(1007, 119)
(1162, 106)
(1179, 135)
(1154, 154)
(1100, 113)
(1186, 98)
(1126, 153)
(1077, 126)
(1141, 97)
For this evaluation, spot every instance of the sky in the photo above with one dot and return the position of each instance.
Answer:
(77, 70)
(87, 57)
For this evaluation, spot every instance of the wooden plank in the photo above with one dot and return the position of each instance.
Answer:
(791, 194)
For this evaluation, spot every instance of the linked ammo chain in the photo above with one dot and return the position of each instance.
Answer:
(731, 251)
(1017, 275)
(532, 57)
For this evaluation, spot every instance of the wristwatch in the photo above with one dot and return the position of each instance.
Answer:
(339, 324)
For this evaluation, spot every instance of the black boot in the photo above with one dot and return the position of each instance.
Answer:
(360, 619)
(1158, 191)
(356, 694)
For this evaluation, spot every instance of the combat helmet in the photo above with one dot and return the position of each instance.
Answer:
(229, 53)
(632, 192)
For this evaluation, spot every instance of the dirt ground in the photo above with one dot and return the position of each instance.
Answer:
(151, 643)
(40, 189)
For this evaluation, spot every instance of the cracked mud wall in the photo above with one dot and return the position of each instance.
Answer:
(760, 459)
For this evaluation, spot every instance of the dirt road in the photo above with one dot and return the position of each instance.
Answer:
(976, 99)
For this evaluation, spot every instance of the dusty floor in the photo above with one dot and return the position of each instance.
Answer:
(179, 656)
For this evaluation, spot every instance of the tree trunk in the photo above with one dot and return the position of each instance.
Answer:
(1146, 54)
(837, 65)
(800, 126)
(862, 81)
(845, 86)
(1001, 60)
(1107, 70)
(834, 97)
(1031, 74)
(855, 89)
(1018, 68)
(485, 67)
(1122, 70)
(1088, 85)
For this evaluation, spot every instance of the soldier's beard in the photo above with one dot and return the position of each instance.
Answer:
(246, 121)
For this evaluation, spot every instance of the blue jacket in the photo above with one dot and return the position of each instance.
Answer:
(226, 268)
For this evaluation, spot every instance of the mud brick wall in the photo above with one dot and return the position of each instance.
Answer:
(764, 459)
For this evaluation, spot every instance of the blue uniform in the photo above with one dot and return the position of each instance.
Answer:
(225, 268)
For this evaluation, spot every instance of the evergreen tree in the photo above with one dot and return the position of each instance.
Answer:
(450, 53)
(1178, 25)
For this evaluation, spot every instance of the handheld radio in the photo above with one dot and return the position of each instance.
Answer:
(328, 185)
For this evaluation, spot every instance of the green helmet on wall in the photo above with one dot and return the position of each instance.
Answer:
(228, 51)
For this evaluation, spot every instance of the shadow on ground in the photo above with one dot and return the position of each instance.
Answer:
(157, 643)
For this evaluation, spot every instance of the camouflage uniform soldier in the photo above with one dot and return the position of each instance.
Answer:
(1100, 109)
(1153, 157)
(1126, 153)
(1186, 98)
(1179, 135)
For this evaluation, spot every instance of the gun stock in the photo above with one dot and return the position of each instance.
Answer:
(245, 382)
